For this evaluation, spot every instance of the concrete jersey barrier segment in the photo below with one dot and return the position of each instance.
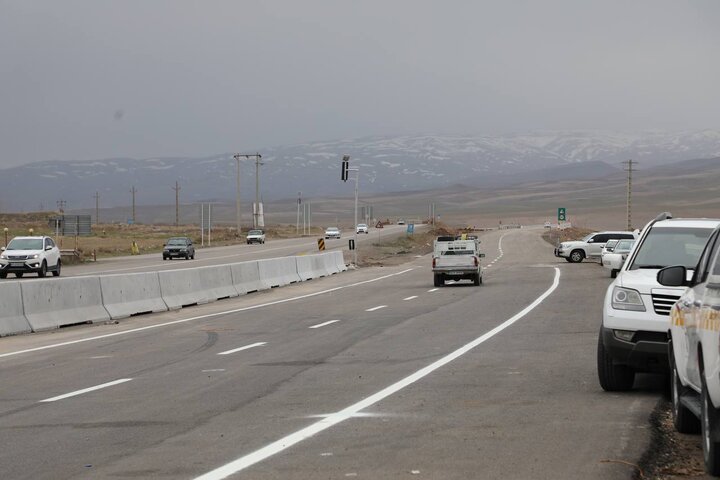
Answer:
(306, 270)
(53, 303)
(339, 260)
(319, 265)
(190, 286)
(276, 272)
(132, 293)
(246, 277)
(12, 318)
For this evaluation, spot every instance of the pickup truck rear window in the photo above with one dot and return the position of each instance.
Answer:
(458, 252)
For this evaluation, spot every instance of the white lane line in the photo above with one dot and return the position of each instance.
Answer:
(324, 323)
(433, 290)
(284, 443)
(252, 345)
(411, 298)
(202, 317)
(213, 370)
(86, 390)
(376, 308)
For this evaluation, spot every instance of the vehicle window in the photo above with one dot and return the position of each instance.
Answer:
(25, 244)
(611, 243)
(177, 241)
(623, 246)
(602, 238)
(715, 267)
(664, 247)
(50, 242)
(457, 252)
(588, 237)
(627, 236)
(255, 232)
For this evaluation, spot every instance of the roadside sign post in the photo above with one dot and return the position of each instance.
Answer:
(345, 169)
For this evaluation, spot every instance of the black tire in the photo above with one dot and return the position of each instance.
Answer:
(43, 270)
(576, 256)
(613, 273)
(58, 267)
(477, 281)
(683, 419)
(567, 259)
(164, 258)
(613, 378)
(187, 256)
(19, 275)
(192, 256)
(3, 275)
(710, 423)
(438, 280)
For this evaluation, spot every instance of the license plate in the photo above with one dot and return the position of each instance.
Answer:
(456, 273)
(17, 264)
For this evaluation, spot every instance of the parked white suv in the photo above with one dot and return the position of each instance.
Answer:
(30, 255)
(589, 247)
(633, 336)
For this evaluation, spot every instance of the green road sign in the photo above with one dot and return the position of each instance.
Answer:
(561, 214)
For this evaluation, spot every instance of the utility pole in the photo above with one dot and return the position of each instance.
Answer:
(256, 210)
(61, 206)
(629, 169)
(133, 191)
(346, 168)
(177, 203)
(297, 222)
(237, 195)
(97, 208)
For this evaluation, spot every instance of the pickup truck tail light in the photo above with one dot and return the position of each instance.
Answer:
(434, 262)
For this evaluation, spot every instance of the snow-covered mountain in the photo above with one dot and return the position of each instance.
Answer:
(387, 164)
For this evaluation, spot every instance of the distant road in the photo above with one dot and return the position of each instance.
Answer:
(227, 254)
(372, 373)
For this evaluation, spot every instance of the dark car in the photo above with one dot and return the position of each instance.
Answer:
(179, 247)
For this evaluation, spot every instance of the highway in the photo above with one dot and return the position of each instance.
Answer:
(205, 256)
(372, 373)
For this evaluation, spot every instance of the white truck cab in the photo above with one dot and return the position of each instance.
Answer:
(633, 336)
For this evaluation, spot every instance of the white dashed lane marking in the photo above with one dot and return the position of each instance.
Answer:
(324, 323)
(86, 390)
(411, 298)
(252, 345)
(375, 308)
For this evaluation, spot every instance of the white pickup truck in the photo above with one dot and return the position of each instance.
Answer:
(455, 258)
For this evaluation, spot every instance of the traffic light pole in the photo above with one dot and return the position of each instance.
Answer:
(346, 168)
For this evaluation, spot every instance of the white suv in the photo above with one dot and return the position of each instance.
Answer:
(633, 336)
(589, 247)
(30, 255)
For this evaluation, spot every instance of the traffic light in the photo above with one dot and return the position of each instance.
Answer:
(345, 166)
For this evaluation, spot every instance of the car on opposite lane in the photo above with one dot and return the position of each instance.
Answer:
(362, 228)
(35, 254)
(255, 236)
(179, 247)
(332, 232)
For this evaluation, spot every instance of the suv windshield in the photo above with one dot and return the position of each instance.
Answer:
(177, 241)
(664, 247)
(255, 232)
(25, 244)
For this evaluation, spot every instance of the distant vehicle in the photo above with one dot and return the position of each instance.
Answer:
(633, 336)
(401, 222)
(608, 248)
(362, 228)
(455, 259)
(181, 247)
(694, 350)
(255, 236)
(548, 225)
(332, 232)
(30, 255)
(589, 247)
(614, 260)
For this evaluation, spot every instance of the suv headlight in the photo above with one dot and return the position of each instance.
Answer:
(3, 256)
(35, 256)
(627, 299)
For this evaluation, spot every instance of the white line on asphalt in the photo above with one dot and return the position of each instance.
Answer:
(375, 308)
(252, 345)
(202, 317)
(433, 290)
(411, 298)
(324, 323)
(213, 370)
(338, 417)
(86, 390)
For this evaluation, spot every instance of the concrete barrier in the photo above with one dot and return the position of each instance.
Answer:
(246, 277)
(12, 318)
(53, 303)
(130, 294)
(339, 260)
(319, 265)
(276, 272)
(196, 286)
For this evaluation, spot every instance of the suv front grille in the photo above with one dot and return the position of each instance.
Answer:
(663, 303)
(17, 257)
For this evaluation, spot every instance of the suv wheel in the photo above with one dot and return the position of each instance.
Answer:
(56, 272)
(43, 270)
(3, 275)
(576, 256)
(613, 378)
(683, 419)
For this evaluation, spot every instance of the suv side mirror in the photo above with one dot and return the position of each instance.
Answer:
(481, 255)
(48, 248)
(2, 249)
(672, 276)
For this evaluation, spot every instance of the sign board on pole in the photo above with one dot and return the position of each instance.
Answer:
(561, 214)
(411, 228)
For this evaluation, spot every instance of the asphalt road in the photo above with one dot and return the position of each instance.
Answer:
(372, 373)
(227, 254)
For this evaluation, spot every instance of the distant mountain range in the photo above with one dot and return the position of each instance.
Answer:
(387, 164)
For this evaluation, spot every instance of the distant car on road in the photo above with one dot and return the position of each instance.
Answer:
(255, 236)
(614, 260)
(548, 225)
(401, 222)
(179, 247)
(608, 248)
(332, 232)
(30, 255)
(589, 247)
(362, 228)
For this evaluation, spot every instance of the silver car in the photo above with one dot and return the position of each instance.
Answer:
(332, 232)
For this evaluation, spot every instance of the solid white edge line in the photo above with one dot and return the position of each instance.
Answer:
(375, 308)
(335, 418)
(411, 297)
(252, 345)
(86, 390)
(324, 324)
(202, 317)
(433, 290)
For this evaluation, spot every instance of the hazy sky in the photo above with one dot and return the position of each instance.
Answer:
(92, 79)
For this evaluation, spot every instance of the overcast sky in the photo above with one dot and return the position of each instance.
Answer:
(91, 79)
